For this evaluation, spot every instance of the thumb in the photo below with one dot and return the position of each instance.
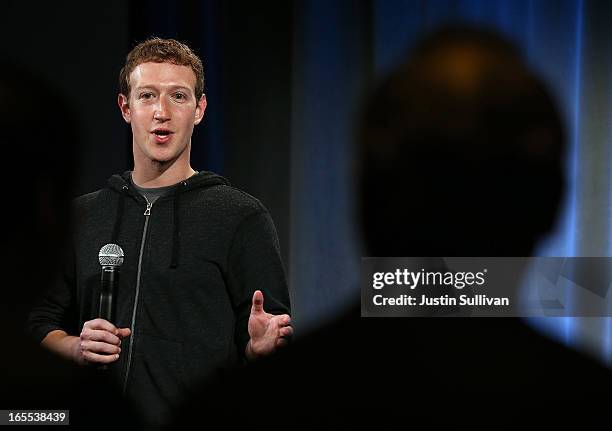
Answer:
(258, 301)
(123, 332)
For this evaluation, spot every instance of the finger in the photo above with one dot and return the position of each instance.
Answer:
(99, 359)
(101, 324)
(287, 331)
(258, 301)
(100, 335)
(100, 347)
(283, 319)
(124, 332)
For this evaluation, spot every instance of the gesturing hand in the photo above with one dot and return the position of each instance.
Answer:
(266, 330)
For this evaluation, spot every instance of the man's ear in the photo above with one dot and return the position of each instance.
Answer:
(199, 114)
(124, 106)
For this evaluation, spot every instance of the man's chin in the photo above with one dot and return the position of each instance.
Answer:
(163, 155)
(162, 159)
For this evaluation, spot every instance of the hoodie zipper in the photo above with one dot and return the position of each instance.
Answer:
(147, 214)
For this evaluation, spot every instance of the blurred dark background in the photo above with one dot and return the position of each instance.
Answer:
(284, 81)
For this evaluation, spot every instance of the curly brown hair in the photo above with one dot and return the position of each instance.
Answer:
(159, 50)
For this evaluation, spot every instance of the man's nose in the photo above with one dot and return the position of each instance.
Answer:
(161, 112)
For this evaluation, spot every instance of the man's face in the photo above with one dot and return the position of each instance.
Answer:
(162, 110)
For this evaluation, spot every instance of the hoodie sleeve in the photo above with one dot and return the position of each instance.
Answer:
(56, 309)
(255, 264)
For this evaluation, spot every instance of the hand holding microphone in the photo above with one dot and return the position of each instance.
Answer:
(100, 342)
(100, 339)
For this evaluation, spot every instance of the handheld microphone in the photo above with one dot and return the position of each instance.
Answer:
(111, 258)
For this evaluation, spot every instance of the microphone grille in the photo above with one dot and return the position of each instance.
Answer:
(110, 255)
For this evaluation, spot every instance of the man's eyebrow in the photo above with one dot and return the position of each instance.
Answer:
(180, 86)
(153, 87)
(140, 87)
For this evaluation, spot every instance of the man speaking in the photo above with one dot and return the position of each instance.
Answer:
(200, 256)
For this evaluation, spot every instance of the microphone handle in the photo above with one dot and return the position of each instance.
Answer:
(108, 283)
(110, 277)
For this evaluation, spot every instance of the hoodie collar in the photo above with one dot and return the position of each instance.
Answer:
(202, 179)
(123, 185)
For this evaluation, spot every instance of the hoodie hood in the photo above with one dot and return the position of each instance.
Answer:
(202, 179)
(123, 185)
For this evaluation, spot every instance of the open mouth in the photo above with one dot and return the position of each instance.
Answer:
(162, 135)
(162, 132)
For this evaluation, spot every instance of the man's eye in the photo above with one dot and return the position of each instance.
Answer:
(180, 96)
(146, 95)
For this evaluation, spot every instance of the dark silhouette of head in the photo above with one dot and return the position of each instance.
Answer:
(460, 152)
